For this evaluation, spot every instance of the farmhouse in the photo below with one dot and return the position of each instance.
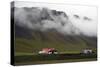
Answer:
(48, 51)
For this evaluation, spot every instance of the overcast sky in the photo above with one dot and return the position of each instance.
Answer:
(90, 27)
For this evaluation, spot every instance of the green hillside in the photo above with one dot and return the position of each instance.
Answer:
(50, 39)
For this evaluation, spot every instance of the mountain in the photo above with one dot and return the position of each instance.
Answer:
(37, 28)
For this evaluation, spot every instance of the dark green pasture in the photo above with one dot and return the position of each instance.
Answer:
(53, 58)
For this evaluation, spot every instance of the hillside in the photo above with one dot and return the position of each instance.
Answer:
(34, 41)
(41, 28)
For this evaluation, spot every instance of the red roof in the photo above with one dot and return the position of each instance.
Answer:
(47, 49)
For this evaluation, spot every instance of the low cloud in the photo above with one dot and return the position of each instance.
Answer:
(44, 19)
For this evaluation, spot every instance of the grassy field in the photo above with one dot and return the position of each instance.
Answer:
(55, 61)
(30, 46)
(45, 59)
(26, 50)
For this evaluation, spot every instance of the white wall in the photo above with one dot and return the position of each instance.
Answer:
(5, 33)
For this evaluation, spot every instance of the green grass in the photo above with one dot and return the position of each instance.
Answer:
(26, 51)
(29, 46)
(38, 59)
(55, 61)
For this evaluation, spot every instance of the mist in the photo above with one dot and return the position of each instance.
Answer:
(44, 19)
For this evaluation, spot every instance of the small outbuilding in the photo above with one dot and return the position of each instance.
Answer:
(87, 51)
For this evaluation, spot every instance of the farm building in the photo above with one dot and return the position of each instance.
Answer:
(87, 51)
(48, 51)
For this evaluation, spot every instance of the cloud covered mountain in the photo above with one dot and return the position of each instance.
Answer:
(51, 26)
(44, 19)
